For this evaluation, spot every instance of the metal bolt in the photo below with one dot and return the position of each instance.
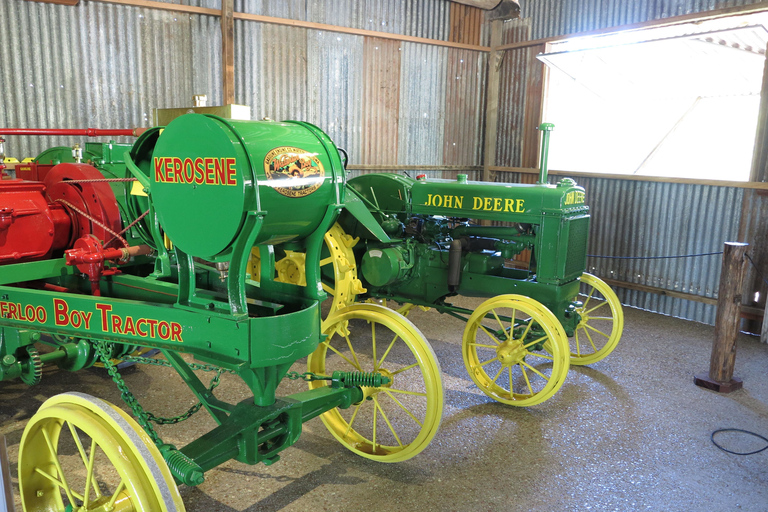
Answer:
(39, 494)
(9, 360)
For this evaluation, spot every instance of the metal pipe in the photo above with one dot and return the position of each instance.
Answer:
(89, 132)
(545, 129)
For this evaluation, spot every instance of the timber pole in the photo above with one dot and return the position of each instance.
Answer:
(727, 321)
(228, 51)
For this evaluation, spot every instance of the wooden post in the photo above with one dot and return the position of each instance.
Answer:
(764, 330)
(228, 51)
(727, 322)
(492, 99)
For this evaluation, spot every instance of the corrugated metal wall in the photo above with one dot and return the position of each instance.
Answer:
(633, 218)
(384, 101)
(560, 17)
(99, 65)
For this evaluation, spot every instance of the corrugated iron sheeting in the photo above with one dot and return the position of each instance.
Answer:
(381, 101)
(422, 104)
(465, 106)
(99, 65)
(335, 72)
(512, 99)
(418, 18)
(639, 218)
(552, 18)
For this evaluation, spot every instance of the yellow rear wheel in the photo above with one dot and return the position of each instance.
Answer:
(81, 453)
(601, 325)
(339, 269)
(515, 350)
(396, 421)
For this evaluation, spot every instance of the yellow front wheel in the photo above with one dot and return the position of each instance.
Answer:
(515, 350)
(398, 420)
(601, 324)
(79, 453)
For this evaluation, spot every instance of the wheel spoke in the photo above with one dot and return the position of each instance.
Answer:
(498, 374)
(493, 338)
(91, 461)
(404, 392)
(489, 361)
(352, 419)
(326, 261)
(587, 326)
(386, 353)
(373, 341)
(526, 331)
(481, 345)
(386, 419)
(404, 408)
(112, 501)
(527, 381)
(354, 354)
(589, 296)
(591, 342)
(329, 290)
(543, 356)
(401, 370)
(534, 370)
(578, 343)
(535, 342)
(501, 325)
(610, 318)
(57, 464)
(342, 356)
(588, 311)
(87, 462)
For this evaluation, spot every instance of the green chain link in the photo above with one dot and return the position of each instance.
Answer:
(306, 376)
(134, 404)
(105, 354)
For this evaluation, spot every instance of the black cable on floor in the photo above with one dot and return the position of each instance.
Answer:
(744, 432)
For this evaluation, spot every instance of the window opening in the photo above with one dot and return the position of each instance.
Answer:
(675, 101)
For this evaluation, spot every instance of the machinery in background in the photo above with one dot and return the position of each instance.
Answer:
(115, 247)
(423, 249)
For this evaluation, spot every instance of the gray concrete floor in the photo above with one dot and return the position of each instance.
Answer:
(631, 432)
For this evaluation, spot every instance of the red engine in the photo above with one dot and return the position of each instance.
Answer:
(40, 219)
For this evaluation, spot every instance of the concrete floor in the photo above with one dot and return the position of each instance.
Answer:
(631, 432)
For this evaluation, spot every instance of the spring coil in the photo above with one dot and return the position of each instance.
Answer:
(361, 379)
(183, 469)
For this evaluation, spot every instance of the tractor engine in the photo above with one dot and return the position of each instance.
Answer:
(436, 251)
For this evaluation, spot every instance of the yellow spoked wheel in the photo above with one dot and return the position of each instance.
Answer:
(504, 350)
(396, 421)
(79, 453)
(601, 324)
(338, 268)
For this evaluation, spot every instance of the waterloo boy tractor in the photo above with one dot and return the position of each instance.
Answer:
(423, 250)
(120, 248)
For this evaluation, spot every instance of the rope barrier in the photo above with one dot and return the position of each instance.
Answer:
(760, 272)
(654, 257)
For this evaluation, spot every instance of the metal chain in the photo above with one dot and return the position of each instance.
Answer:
(192, 410)
(104, 353)
(306, 376)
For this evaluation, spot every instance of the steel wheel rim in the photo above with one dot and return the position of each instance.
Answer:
(531, 376)
(408, 410)
(592, 340)
(63, 452)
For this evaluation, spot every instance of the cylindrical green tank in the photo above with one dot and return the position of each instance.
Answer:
(208, 174)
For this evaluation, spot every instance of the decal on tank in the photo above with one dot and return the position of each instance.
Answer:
(293, 172)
